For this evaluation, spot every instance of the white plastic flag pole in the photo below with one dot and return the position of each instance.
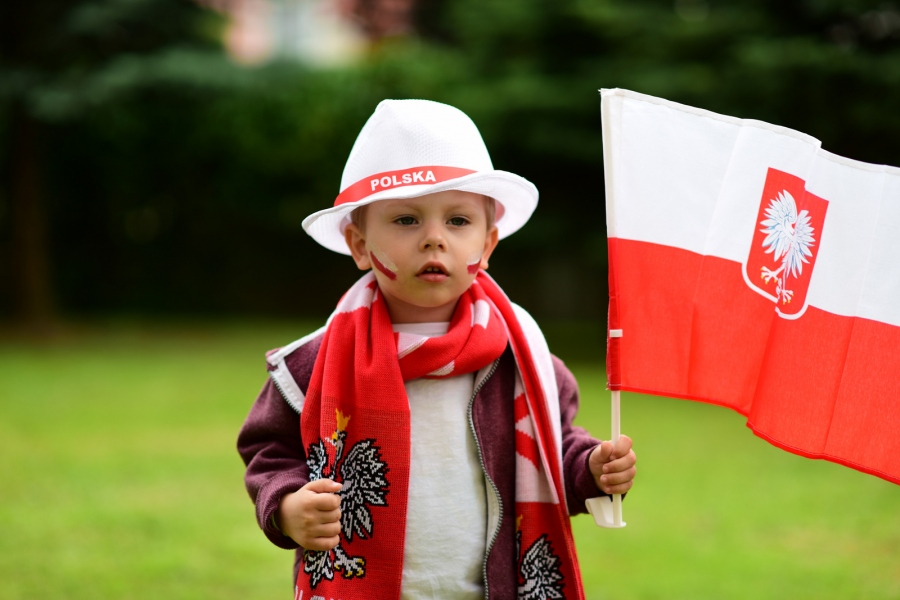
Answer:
(606, 512)
(616, 432)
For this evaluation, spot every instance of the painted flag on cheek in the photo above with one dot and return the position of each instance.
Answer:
(750, 268)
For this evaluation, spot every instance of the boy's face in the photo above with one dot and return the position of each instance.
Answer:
(425, 251)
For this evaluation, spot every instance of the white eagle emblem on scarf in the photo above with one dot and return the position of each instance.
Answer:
(362, 476)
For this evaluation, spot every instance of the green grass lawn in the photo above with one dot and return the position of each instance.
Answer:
(119, 479)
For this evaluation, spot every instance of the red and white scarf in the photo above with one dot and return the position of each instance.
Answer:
(356, 425)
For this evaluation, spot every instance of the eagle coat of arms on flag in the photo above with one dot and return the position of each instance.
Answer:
(788, 230)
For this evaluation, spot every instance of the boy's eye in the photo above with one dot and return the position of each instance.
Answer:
(406, 220)
(458, 221)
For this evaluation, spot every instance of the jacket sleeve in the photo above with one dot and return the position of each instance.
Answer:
(577, 444)
(270, 444)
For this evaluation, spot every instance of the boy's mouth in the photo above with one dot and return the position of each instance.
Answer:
(432, 272)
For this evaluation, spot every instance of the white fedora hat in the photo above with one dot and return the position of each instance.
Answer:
(410, 148)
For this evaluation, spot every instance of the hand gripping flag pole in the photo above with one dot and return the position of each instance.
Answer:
(608, 513)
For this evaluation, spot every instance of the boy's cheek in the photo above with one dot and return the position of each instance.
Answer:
(382, 262)
(381, 267)
(473, 264)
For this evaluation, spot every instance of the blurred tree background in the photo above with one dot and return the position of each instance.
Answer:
(152, 165)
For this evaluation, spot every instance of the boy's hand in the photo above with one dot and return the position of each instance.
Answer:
(613, 466)
(311, 516)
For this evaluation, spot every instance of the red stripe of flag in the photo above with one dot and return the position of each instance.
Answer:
(822, 386)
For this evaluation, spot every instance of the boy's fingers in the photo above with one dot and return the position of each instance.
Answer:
(623, 447)
(325, 530)
(600, 456)
(617, 489)
(613, 479)
(323, 486)
(329, 516)
(620, 464)
(326, 502)
(315, 518)
(322, 543)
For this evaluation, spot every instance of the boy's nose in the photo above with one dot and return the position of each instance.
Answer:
(433, 237)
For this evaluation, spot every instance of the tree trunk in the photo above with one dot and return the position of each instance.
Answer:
(33, 286)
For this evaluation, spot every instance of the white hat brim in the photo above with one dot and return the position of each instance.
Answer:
(517, 195)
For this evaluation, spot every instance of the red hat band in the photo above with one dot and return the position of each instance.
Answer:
(379, 182)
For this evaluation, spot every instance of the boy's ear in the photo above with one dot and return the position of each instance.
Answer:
(490, 242)
(357, 245)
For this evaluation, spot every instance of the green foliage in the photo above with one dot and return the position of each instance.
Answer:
(60, 59)
(177, 180)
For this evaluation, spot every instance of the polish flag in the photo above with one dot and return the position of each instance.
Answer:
(750, 268)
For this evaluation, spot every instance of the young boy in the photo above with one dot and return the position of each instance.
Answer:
(421, 445)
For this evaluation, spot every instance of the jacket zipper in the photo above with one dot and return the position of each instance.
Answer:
(283, 395)
(496, 532)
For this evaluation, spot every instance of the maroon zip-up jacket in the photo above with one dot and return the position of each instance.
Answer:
(270, 445)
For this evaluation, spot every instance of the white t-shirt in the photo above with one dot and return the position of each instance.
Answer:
(446, 517)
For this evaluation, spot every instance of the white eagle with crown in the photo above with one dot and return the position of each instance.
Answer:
(362, 474)
(789, 236)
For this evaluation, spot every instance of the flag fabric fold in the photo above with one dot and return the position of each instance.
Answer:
(752, 269)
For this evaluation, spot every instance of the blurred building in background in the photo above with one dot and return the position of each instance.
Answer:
(320, 32)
